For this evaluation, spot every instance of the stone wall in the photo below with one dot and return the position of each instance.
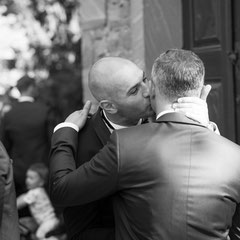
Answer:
(135, 29)
(110, 28)
(162, 28)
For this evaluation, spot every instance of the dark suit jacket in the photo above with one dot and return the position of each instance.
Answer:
(25, 133)
(173, 179)
(9, 229)
(95, 218)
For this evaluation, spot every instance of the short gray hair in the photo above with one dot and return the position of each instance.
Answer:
(178, 73)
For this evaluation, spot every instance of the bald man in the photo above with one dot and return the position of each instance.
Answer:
(122, 90)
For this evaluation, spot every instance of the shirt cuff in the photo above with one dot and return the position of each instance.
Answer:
(66, 124)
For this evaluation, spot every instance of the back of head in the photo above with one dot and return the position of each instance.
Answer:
(41, 169)
(178, 73)
(24, 83)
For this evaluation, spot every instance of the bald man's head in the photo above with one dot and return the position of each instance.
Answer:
(107, 76)
(122, 90)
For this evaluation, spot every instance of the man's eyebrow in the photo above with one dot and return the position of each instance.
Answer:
(135, 86)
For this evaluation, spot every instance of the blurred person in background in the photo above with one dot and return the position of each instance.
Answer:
(43, 218)
(9, 228)
(7, 99)
(26, 130)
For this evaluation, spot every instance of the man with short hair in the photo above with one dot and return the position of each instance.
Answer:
(26, 130)
(123, 93)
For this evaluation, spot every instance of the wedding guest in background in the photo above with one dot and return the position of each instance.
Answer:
(36, 198)
(26, 131)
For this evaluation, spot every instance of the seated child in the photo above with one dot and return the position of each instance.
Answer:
(38, 201)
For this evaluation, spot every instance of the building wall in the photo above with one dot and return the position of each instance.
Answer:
(162, 28)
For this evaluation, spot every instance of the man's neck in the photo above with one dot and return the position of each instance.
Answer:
(161, 110)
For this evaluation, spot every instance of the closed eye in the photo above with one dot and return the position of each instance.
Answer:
(133, 91)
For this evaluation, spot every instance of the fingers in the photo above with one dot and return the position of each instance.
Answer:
(73, 117)
(200, 118)
(194, 117)
(87, 106)
(192, 112)
(83, 114)
(189, 102)
(183, 109)
(79, 117)
(194, 108)
(205, 91)
(176, 106)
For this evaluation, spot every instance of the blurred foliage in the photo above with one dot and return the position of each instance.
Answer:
(46, 42)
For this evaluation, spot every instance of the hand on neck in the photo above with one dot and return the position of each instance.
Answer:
(163, 107)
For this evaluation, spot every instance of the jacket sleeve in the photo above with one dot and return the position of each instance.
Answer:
(4, 135)
(4, 171)
(91, 181)
(9, 228)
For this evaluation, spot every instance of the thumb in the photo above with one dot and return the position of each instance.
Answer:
(87, 107)
(83, 114)
(205, 91)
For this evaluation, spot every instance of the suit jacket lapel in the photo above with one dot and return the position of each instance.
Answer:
(100, 127)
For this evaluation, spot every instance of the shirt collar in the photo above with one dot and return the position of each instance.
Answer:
(26, 99)
(164, 112)
(117, 126)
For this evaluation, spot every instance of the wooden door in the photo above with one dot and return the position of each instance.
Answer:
(236, 56)
(207, 29)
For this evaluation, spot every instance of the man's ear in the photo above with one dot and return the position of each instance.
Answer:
(205, 91)
(108, 106)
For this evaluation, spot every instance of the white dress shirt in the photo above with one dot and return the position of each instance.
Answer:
(74, 126)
